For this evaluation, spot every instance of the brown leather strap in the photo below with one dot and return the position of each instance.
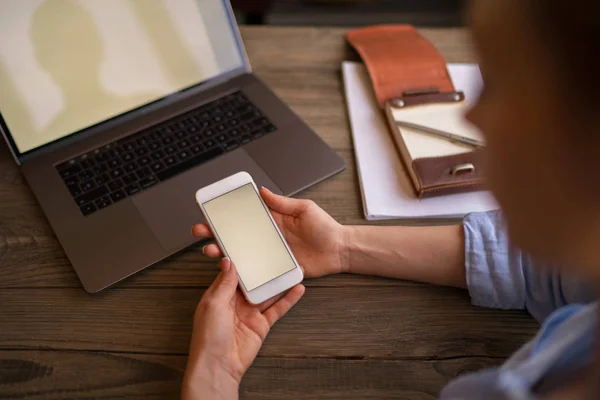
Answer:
(436, 177)
(399, 59)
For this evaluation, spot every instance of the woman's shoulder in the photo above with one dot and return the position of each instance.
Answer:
(563, 346)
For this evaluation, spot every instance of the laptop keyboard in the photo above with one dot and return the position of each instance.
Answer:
(111, 173)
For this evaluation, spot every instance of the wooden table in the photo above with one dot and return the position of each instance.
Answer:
(351, 337)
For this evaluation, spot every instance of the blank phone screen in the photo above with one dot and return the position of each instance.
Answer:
(241, 222)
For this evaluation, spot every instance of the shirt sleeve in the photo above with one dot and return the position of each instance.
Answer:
(501, 276)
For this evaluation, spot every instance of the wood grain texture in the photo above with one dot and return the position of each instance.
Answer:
(351, 337)
(385, 322)
(60, 375)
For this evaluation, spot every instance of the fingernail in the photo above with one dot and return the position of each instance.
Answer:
(226, 264)
(204, 249)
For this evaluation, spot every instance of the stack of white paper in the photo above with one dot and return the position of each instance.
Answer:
(387, 191)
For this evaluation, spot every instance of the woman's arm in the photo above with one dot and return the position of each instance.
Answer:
(476, 255)
(432, 254)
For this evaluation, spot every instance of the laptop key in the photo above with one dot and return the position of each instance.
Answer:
(132, 189)
(142, 151)
(189, 163)
(144, 172)
(147, 182)
(232, 144)
(99, 169)
(157, 166)
(157, 155)
(88, 185)
(87, 209)
(102, 157)
(257, 123)
(116, 173)
(154, 145)
(130, 146)
(170, 160)
(67, 172)
(248, 116)
(196, 149)
(115, 152)
(114, 163)
(75, 190)
(170, 149)
(129, 179)
(91, 195)
(118, 196)
(102, 179)
(183, 155)
(72, 180)
(127, 157)
(103, 202)
(129, 167)
(66, 165)
(143, 161)
(85, 175)
(114, 185)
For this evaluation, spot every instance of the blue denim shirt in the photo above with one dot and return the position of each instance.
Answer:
(501, 276)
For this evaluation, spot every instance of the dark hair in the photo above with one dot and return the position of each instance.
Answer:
(572, 30)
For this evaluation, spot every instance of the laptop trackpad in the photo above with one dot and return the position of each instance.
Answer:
(170, 208)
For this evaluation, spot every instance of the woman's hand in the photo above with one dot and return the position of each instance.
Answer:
(317, 240)
(228, 332)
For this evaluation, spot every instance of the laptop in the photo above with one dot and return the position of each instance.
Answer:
(117, 112)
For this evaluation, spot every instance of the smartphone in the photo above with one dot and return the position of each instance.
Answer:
(247, 234)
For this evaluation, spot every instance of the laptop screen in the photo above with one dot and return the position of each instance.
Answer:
(66, 65)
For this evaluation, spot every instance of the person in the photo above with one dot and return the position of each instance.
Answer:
(538, 112)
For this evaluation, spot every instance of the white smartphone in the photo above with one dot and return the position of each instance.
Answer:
(247, 234)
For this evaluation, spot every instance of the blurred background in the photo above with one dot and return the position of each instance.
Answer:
(424, 13)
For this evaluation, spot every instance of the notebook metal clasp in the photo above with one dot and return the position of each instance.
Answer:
(425, 96)
(463, 168)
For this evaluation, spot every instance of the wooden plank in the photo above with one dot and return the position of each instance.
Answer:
(387, 322)
(58, 375)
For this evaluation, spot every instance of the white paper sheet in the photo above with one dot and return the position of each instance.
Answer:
(386, 188)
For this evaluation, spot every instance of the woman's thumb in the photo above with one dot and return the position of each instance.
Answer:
(228, 280)
(283, 205)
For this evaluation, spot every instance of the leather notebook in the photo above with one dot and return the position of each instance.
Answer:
(412, 86)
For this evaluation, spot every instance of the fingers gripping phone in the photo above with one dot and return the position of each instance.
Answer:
(247, 234)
